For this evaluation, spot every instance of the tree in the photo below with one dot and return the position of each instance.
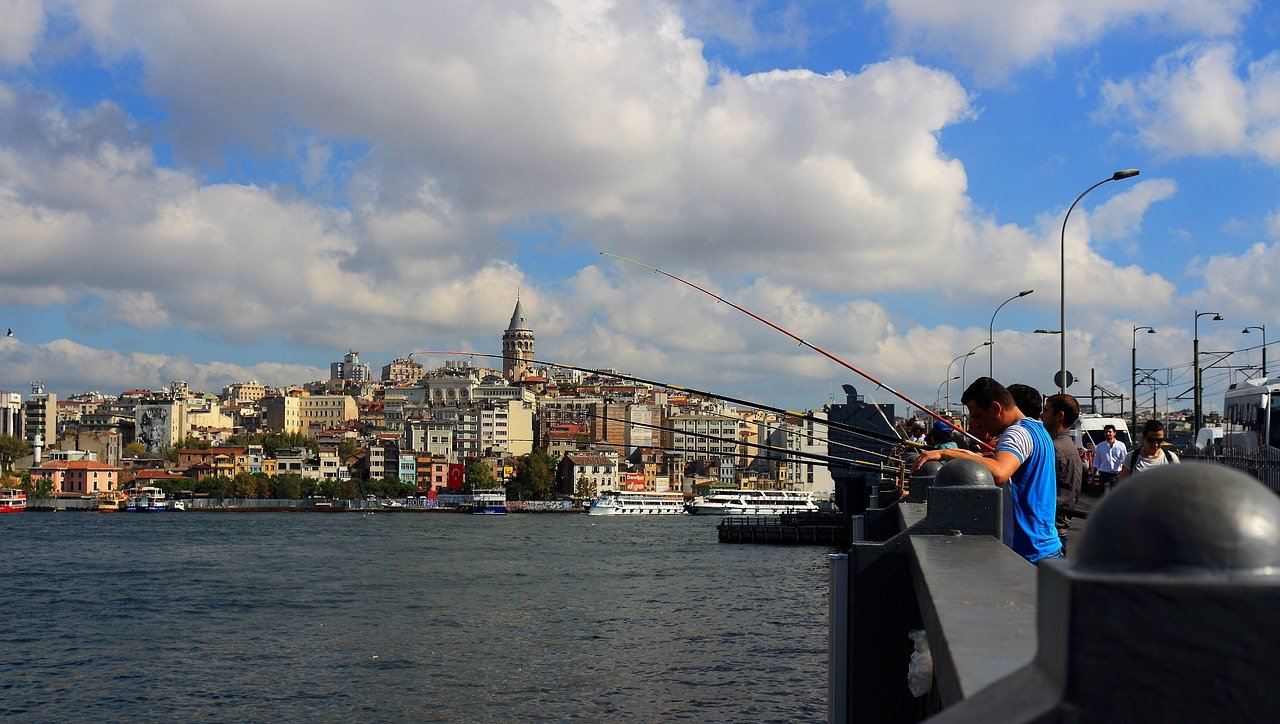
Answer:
(40, 488)
(12, 448)
(134, 449)
(478, 476)
(533, 480)
(586, 488)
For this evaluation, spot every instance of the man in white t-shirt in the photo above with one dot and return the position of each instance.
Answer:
(1152, 454)
(1108, 458)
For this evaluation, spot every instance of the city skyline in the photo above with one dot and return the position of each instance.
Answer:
(215, 194)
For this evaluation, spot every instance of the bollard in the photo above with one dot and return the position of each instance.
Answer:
(1164, 613)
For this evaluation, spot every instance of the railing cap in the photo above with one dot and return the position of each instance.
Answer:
(1187, 519)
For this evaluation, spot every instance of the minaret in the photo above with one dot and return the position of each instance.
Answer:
(517, 345)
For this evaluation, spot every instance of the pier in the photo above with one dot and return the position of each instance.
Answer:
(825, 529)
(1162, 612)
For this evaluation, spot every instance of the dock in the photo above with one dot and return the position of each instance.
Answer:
(817, 529)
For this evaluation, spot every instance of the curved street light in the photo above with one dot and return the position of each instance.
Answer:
(1133, 413)
(949, 378)
(1261, 328)
(1198, 410)
(991, 330)
(964, 364)
(1062, 280)
(938, 398)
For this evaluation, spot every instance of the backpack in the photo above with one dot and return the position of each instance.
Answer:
(1133, 457)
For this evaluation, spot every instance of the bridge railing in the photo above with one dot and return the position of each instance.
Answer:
(1163, 612)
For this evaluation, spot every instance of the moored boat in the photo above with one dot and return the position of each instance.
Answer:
(12, 500)
(753, 502)
(628, 502)
(146, 500)
(112, 501)
(489, 502)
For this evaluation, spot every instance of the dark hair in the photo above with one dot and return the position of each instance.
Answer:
(1152, 426)
(1112, 428)
(984, 391)
(1068, 406)
(1028, 399)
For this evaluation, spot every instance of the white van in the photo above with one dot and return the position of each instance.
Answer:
(1088, 430)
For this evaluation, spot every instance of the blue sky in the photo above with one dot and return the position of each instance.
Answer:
(224, 191)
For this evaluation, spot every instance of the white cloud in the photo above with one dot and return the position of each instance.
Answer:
(65, 365)
(1199, 101)
(23, 24)
(996, 37)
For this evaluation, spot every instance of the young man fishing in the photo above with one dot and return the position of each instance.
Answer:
(1024, 460)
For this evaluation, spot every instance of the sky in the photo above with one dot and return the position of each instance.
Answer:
(220, 191)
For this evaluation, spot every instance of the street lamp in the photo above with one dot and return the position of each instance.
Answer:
(949, 378)
(1062, 279)
(1197, 415)
(939, 395)
(991, 330)
(1133, 412)
(965, 363)
(1263, 329)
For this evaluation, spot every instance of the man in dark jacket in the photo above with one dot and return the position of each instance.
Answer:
(1061, 412)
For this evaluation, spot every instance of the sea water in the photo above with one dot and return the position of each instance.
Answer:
(405, 616)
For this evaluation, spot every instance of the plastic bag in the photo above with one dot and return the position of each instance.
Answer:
(920, 670)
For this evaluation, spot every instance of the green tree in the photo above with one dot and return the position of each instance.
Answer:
(585, 488)
(286, 487)
(40, 488)
(478, 476)
(12, 448)
(533, 480)
(134, 449)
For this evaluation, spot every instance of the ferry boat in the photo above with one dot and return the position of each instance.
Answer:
(625, 502)
(112, 501)
(489, 502)
(12, 500)
(146, 500)
(753, 502)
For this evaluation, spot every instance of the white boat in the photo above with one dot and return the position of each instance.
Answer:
(179, 505)
(753, 502)
(627, 502)
(488, 502)
(146, 500)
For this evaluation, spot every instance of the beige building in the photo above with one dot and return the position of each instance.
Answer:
(321, 412)
(282, 413)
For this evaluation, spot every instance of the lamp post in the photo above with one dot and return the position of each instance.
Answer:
(1197, 414)
(949, 378)
(991, 331)
(938, 397)
(1261, 328)
(1133, 412)
(1062, 277)
(965, 363)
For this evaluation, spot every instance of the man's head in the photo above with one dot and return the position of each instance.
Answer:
(1109, 431)
(1061, 412)
(1152, 435)
(1028, 399)
(991, 407)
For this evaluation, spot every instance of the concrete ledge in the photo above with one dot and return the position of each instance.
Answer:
(978, 603)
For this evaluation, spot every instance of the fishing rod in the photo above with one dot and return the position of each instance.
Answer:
(846, 462)
(803, 343)
(845, 427)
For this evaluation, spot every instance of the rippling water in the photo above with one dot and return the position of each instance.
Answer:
(297, 616)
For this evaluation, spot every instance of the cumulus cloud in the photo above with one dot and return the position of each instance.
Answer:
(995, 38)
(65, 365)
(24, 21)
(1202, 101)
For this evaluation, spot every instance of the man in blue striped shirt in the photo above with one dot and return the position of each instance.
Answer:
(1024, 460)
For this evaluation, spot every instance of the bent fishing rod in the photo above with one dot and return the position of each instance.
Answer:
(804, 343)
(844, 427)
(843, 462)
